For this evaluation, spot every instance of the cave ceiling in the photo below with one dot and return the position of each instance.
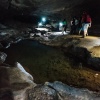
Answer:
(59, 8)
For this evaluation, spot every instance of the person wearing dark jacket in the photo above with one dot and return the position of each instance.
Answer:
(74, 25)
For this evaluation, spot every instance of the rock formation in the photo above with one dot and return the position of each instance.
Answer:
(19, 85)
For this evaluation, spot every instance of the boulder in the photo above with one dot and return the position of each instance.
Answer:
(60, 91)
(20, 81)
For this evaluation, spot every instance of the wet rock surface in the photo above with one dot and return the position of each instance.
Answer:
(20, 82)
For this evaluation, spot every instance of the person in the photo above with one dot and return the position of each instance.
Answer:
(86, 23)
(74, 25)
(64, 26)
(79, 25)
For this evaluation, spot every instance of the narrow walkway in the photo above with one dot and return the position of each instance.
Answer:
(92, 43)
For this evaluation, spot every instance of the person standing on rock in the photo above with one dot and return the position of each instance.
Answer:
(86, 23)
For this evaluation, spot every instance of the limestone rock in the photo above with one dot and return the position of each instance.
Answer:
(2, 57)
(42, 92)
(66, 92)
(21, 82)
(60, 91)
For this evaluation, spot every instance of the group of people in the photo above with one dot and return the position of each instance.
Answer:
(79, 25)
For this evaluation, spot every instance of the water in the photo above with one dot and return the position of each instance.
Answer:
(42, 61)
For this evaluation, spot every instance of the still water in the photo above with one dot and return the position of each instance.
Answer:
(45, 63)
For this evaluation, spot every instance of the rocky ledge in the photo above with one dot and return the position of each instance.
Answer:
(84, 49)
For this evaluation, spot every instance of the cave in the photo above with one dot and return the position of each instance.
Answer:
(37, 61)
